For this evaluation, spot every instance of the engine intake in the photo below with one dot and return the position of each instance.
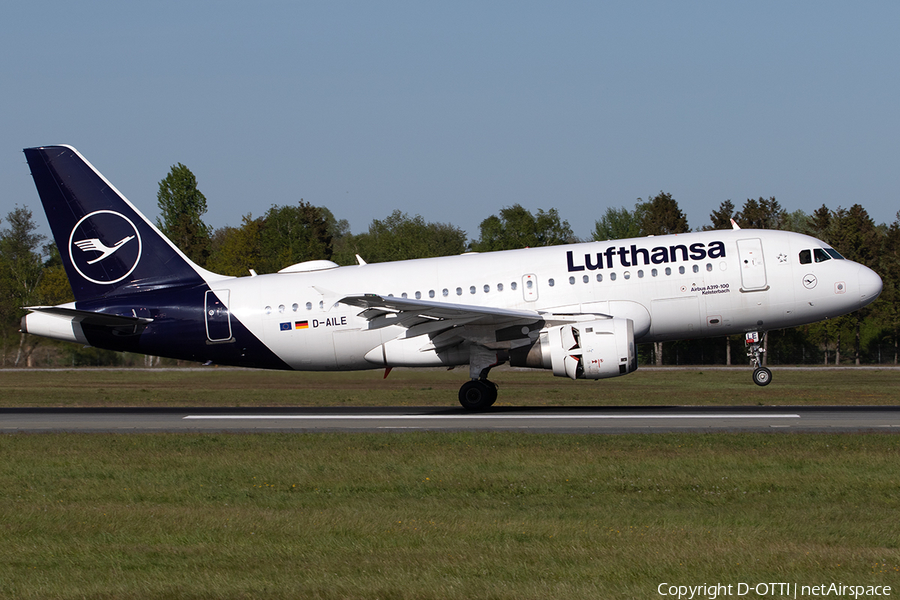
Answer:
(586, 350)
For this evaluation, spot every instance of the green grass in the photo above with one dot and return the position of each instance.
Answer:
(424, 515)
(438, 387)
(440, 515)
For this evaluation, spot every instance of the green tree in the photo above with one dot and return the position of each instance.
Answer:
(854, 234)
(721, 218)
(20, 263)
(293, 234)
(819, 223)
(798, 222)
(20, 272)
(661, 215)
(401, 237)
(889, 268)
(236, 250)
(53, 286)
(516, 227)
(762, 214)
(182, 207)
(616, 224)
(337, 228)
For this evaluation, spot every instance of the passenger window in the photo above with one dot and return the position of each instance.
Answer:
(431, 293)
(550, 282)
(418, 295)
(696, 268)
(472, 289)
(599, 277)
(640, 273)
(585, 279)
(571, 281)
(487, 289)
(668, 270)
(459, 291)
(681, 270)
(654, 272)
(513, 285)
(295, 306)
(309, 306)
(446, 292)
(612, 276)
(499, 287)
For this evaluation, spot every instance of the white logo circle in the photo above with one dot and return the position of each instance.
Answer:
(105, 247)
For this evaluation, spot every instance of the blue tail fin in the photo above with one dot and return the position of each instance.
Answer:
(107, 246)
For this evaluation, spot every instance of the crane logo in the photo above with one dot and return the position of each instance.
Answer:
(105, 247)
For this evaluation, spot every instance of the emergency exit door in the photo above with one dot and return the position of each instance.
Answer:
(218, 319)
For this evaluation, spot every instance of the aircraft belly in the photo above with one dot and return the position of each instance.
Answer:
(675, 317)
(352, 345)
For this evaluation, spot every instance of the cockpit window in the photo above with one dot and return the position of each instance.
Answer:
(820, 255)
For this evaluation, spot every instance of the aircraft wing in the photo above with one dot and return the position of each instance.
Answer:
(449, 324)
(407, 312)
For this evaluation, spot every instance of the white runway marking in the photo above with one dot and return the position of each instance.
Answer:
(477, 417)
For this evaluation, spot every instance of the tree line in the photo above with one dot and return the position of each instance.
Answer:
(31, 270)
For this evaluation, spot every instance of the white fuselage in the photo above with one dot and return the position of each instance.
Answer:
(693, 285)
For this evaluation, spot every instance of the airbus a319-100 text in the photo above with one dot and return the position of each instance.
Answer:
(577, 310)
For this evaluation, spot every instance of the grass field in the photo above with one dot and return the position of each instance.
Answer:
(438, 387)
(441, 515)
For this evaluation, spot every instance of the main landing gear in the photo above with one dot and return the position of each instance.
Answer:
(761, 375)
(478, 394)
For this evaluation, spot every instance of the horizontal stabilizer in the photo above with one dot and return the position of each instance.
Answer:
(90, 318)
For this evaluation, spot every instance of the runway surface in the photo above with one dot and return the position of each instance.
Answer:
(536, 420)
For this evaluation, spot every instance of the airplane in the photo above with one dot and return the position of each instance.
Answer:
(577, 310)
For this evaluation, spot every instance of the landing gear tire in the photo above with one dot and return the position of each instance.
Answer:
(478, 394)
(762, 376)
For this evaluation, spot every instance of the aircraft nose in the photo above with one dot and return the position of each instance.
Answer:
(870, 286)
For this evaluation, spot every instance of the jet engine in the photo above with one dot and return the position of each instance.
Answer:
(584, 350)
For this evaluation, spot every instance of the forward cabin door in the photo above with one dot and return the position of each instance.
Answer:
(753, 267)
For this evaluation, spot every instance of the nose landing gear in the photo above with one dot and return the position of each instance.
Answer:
(761, 375)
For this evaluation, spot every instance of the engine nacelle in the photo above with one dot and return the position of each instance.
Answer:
(586, 350)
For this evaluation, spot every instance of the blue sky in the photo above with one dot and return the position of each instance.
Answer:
(455, 110)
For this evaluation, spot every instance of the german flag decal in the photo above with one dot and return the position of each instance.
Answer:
(301, 324)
